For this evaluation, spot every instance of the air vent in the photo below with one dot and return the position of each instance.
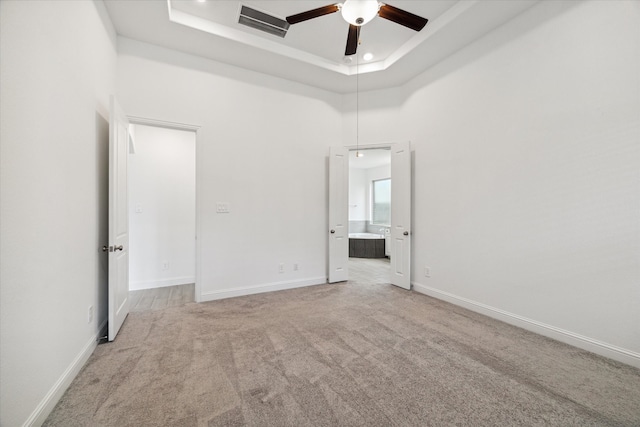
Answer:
(263, 22)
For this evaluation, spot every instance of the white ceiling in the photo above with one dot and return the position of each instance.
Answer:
(313, 51)
(371, 158)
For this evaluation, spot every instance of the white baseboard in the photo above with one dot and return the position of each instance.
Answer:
(44, 408)
(258, 289)
(595, 346)
(150, 284)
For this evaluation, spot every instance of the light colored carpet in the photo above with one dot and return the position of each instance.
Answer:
(350, 354)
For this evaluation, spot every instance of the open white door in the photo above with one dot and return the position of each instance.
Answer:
(118, 247)
(401, 215)
(338, 214)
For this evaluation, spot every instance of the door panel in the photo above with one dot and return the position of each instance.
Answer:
(401, 215)
(118, 219)
(338, 214)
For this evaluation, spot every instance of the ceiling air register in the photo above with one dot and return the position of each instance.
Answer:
(263, 22)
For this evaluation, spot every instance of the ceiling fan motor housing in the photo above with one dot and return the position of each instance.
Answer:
(359, 12)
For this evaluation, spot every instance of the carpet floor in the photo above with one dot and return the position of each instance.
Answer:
(348, 354)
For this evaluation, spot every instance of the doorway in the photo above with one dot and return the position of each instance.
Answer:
(400, 227)
(369, 215)
(162, 209)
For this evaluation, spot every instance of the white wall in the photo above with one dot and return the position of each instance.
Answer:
(526, 176)
(162, 208)
(358, 207)
(360, 178)
(57, 70)
(262, 148)
(527, 173)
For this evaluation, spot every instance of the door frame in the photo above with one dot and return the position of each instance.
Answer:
(134, 120)
(389, 145)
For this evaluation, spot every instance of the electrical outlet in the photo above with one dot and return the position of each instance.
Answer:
(281, 268)
(427, 271)
(295, 267)
(165, 265)
(90, 314)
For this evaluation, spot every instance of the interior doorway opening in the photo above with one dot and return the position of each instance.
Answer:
(369, 215)
(400, 234)
(162, 208)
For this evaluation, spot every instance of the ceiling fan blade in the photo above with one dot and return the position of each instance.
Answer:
(402, 17)
(352, 40)
(314, 13)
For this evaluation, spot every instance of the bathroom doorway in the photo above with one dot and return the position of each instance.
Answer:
(369, 215)
(400, 235)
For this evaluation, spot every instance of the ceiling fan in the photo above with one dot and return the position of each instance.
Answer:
(359, 12)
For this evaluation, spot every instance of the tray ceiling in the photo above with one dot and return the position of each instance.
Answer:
(312, 52)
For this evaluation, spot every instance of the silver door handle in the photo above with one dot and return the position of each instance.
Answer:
(107, 249)
(119, 248)
(333, 231)
(406, 233)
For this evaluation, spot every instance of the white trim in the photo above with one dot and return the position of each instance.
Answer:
(458, 9)
(375, 145)
(595, 346)
(161, 283)
(434, 25)
(199, 138)
(162, 124)
(220, 30)
(199, 198)
(265, 287)
(50, 400)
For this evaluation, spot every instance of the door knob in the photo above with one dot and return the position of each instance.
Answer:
(333, 231)
(119, 248)
(406, 233)
(105, 249)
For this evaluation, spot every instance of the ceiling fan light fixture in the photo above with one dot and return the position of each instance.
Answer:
(359, 12)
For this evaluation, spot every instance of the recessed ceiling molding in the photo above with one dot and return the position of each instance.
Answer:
(367, 67)
(201, 24)
(434, 25)
(432, 28)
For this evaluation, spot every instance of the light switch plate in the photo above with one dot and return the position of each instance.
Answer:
(223, 207)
